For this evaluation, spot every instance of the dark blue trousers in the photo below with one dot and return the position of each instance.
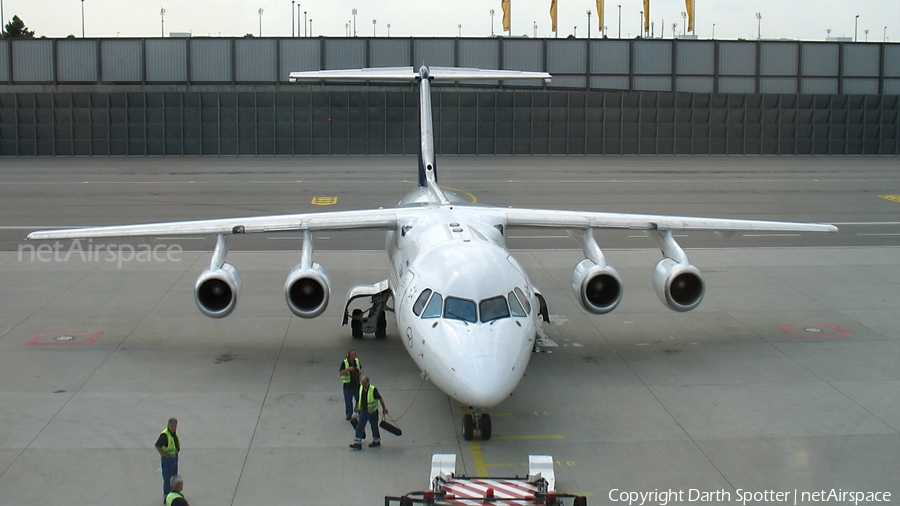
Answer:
(169, 468)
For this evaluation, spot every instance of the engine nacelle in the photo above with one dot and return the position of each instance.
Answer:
(307, 291)
(216, 291)
(678, 286)
(597, 288)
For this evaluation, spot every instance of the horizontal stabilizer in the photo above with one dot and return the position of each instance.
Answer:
(408, 74)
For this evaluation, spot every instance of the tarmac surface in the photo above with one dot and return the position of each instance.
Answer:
(785, 379)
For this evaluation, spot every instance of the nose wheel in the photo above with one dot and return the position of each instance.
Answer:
(473, 422)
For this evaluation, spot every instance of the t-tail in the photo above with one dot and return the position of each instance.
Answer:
(427, 164)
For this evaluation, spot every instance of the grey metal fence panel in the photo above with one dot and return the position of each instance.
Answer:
(523, 54)
(610, 57)
(166, 60)
(32, 60)
(737, 85)
(652, 57)
(298, 55)
(891, 60)
(694, 84)
(211, 60)
(568, 82)
(819, 85)
(787, 85)
(344, 53)
(479, 53)
(434, 52)
(76, 61)
(861, 60)
(121, 61)
(819, 59)
(891, 87)
(566, 56)
(390, 53)
(4, 60)
(609, 82)
(860, 86)
(779, 58)
(652, 83)
(737, 58)
(695, 57)
(255, 60)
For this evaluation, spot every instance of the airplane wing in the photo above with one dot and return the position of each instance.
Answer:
(586, 220)
(373, 219)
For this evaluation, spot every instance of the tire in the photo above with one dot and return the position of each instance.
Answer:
(381, 326)
(468, 427)
(356, 324)
(485, 422)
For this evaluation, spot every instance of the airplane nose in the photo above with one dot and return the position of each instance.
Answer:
(486, 381)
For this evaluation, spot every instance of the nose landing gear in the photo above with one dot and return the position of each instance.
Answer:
(475, 421)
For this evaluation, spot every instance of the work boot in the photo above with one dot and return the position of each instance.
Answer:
(356, 446)
(374, 444)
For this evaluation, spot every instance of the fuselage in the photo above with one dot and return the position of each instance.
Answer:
(465, 308)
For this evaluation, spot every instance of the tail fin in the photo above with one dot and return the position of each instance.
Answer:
(427, 166)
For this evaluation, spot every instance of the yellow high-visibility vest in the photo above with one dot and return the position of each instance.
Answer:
(371, 402)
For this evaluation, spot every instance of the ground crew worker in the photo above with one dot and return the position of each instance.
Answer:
(350, 371)
(175, 497)
(168, 447)
(369, 397)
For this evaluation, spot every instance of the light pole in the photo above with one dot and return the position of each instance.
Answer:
(347, 29)
(641, 24)
(492, 22)
(310, 27)
(575, 31)
(459, 32)
(373, 27)
(758, 26)
(82, 19)
(866, 31)
(304, 25)
(162, 21)
(354, 22)
(828, 32)
(589, 24)
(683, 23)
(260, 22)
(674, 26)
(298, 21)
(855, 26)
(885, 34)
(292, 17)
(389, 30)
(714, 31)
(535, 29)
(620, 21)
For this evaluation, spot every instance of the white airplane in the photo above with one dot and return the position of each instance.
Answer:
(464, 307)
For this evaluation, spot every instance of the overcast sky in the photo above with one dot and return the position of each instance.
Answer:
(791, 19)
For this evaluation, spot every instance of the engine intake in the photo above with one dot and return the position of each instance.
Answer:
(679, 286)
(216, 291)
(597, 288)
(307, 290)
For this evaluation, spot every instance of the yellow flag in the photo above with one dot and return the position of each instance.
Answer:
(553, 15)
(504, 4)
(689, 7)
(646, 16)
(600, 14)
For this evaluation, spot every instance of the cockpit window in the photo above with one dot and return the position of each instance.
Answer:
(460, 309)
(433, 309)
(493, 309)
(420, 302)
(524, 300)
(514, 306)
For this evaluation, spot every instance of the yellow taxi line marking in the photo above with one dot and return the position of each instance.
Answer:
(892, 198)
(536, 436)
(478, 458)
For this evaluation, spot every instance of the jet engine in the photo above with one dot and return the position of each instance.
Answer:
(216, 291)
(679, 286)
(597, 288)
(307, 290)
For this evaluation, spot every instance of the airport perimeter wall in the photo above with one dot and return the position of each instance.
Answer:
(214, 96)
